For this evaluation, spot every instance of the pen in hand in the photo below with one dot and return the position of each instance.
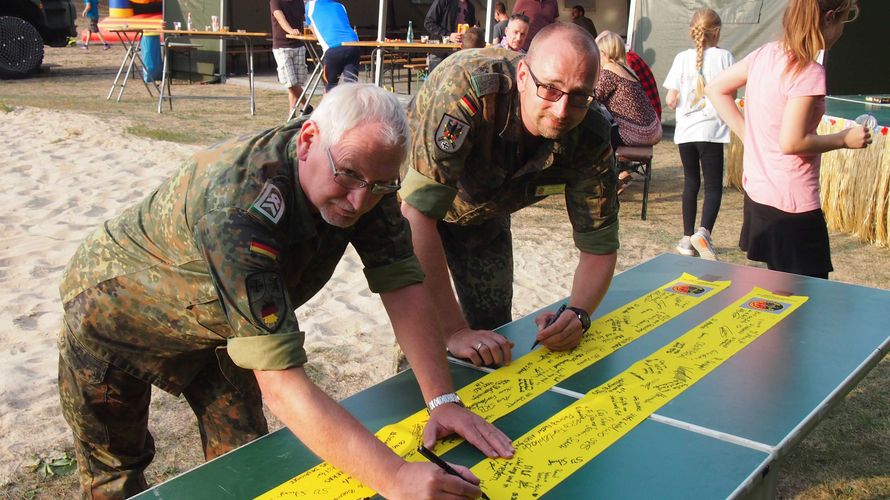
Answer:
(432, 457)
(551, 321)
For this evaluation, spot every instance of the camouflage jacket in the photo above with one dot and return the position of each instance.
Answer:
(464, 163)
(218, 257)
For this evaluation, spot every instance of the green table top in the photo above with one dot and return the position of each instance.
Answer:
(769, 388)
(642, 465)
(768, 393)
(840, 106)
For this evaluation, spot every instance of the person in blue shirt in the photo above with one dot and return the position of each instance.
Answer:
(331, 25)
(91, 12)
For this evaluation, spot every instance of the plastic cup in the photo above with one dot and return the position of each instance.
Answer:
(424, 38)
(214, 23)
(868, 120)
(446, 39)
(177, 25)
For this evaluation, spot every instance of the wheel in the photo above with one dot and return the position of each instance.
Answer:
(21, 48)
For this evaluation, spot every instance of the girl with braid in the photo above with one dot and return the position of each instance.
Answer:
(700, 134)
(783, 223)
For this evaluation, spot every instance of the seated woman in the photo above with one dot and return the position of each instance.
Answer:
(621, 92)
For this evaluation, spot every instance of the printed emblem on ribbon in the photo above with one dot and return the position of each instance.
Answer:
(270, 203)
(265, 293)
(765, 305)
(451, 133)
(687, 289)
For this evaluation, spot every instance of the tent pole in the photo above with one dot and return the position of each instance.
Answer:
(381, 36)
(488, 15)
(222, 43)
(631, 23)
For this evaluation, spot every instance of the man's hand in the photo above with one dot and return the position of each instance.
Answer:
(422, 480)
(482, 347)
(450, 418)
(564, 334)
(456, 37)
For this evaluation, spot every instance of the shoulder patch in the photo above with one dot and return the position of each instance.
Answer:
(265, 292)
(490, 83)
(451, 133)
(270, 203)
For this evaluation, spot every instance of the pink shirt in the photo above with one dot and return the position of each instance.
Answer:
(787, 182)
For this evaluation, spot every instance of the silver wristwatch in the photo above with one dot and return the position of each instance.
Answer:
(443, 399)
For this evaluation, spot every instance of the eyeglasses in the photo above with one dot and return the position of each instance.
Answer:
(852, 14)
(550, 93)
(351, 181)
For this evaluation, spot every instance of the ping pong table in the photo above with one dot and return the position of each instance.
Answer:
(724, 437)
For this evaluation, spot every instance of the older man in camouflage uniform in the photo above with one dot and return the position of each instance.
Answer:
(495, 132)
(193, 290)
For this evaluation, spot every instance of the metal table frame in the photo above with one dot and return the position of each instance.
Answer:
(246, 38)
(311, 85)
(132, 61)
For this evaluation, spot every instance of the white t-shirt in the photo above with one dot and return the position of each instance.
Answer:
(698, 123)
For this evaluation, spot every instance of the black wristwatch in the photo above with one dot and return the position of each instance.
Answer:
(583, 317)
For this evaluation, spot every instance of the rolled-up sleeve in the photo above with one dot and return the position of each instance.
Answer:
(382, 240)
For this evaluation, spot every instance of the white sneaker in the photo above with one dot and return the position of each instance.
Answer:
(701, 241)
(684, 247)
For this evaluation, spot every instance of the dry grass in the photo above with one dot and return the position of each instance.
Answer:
(844, 457)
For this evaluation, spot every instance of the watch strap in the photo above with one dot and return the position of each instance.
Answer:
(437, 401)
(583, 317)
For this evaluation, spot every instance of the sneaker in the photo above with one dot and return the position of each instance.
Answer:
(701, 241)
(684, 247)
(106, 47)
(85, 47)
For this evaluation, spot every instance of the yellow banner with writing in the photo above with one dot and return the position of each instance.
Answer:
(562, 444)
(509, 387)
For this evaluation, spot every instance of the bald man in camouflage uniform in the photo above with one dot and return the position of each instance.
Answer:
(494, 132)
(194, 290)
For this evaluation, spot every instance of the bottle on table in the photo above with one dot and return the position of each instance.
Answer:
(410, 37)
(188, 21)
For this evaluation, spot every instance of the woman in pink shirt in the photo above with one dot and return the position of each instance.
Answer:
(783, 222)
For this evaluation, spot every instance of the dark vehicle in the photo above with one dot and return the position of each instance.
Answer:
(25, 26)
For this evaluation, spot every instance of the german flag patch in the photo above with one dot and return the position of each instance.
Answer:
(263, 249)
(468, 105)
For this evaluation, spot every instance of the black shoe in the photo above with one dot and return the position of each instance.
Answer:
(308, 110)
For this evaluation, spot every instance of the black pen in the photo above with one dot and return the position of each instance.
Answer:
(550, 322)
(432, 457)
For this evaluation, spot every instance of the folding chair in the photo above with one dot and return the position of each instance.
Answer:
(637, 159)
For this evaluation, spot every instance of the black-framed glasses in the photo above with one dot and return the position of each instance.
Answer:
(852, 14)
(550, 93)
(849, 16)
(351, 181)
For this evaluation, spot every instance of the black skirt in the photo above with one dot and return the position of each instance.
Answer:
(793, 243)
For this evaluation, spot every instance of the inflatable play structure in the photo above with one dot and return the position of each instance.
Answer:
(144, 14)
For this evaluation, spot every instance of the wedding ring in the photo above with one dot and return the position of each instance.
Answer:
(479, 346)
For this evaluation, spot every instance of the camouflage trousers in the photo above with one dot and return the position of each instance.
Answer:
(480, 258)
(107, 410)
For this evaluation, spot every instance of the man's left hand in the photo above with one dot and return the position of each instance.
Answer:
(482, 347)
(450, 418)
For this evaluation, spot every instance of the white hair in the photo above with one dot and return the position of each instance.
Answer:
(349, 105)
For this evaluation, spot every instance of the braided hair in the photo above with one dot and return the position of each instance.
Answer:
(704, 29)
